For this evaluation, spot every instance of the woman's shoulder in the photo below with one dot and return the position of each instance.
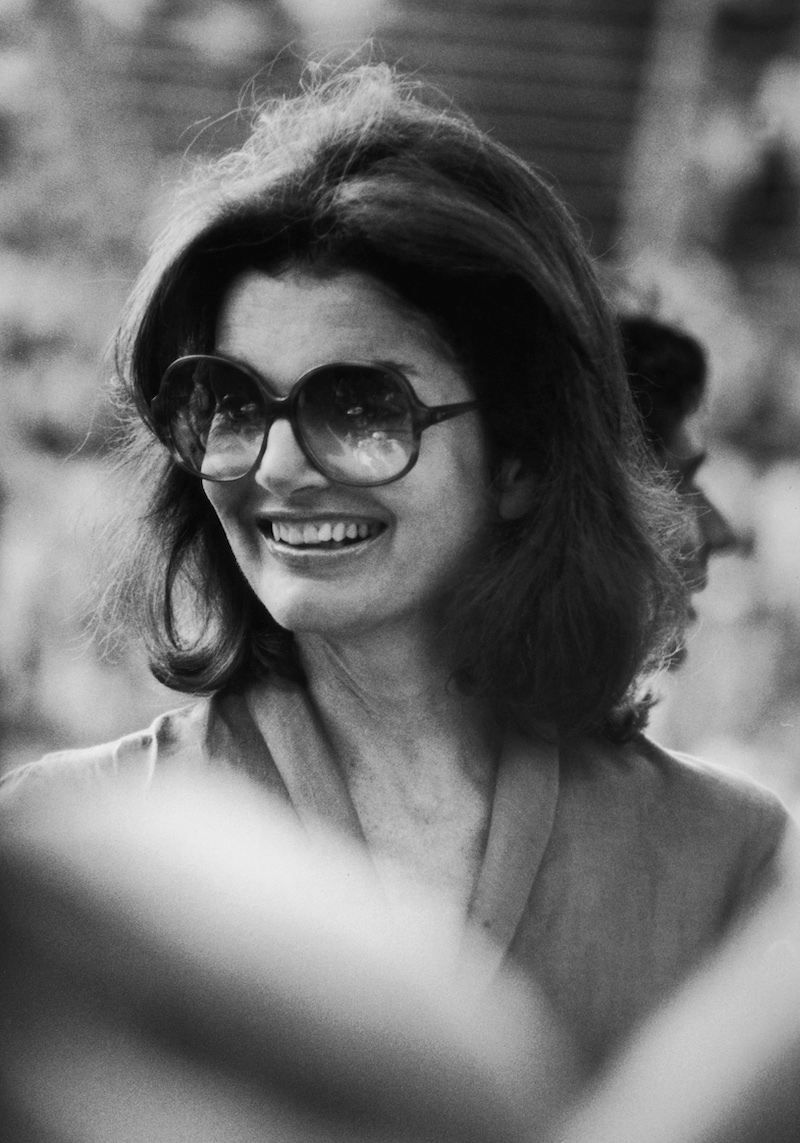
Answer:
(642, 771)
(640, 820)
(710, 787)
(213, 733)
(697, 810)
(176, 735)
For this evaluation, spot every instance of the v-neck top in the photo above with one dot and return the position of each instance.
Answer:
(608, 871)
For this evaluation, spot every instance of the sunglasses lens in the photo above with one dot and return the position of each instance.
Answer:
(214, 417)
(357, 423)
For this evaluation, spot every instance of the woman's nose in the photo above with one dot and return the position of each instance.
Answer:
(716, 533)
(284, 467)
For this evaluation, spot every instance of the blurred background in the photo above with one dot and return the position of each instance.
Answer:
(672, 127)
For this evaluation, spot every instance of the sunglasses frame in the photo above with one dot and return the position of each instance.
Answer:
(279, 408)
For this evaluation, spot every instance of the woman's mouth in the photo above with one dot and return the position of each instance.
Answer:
(329, 535)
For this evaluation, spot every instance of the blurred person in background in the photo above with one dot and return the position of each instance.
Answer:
(667, 371)
(394, 526)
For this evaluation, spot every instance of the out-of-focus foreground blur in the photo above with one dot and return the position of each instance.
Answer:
(671, 127)
(275, 984)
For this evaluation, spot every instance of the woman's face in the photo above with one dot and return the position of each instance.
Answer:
(404, 543)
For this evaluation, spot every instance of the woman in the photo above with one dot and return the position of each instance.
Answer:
(398, 529)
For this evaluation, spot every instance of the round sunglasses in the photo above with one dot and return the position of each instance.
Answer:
(356, 424)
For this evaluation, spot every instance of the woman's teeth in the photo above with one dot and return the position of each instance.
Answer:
(327, 533)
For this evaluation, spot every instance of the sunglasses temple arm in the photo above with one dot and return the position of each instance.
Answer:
(444, 412)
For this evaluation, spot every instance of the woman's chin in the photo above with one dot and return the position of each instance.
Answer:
(306, 613)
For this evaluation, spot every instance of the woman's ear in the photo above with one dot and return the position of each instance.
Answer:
(516, 485)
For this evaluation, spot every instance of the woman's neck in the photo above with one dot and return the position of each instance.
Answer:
(390, 686)
(418, 756)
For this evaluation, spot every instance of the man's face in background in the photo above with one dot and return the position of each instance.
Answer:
(667, 371)
(709, 533)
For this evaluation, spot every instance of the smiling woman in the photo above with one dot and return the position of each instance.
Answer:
(403, 537)
(475, 268)
(396, 522)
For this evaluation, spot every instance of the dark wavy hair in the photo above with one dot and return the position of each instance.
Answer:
(667, 370)
(572, 606)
